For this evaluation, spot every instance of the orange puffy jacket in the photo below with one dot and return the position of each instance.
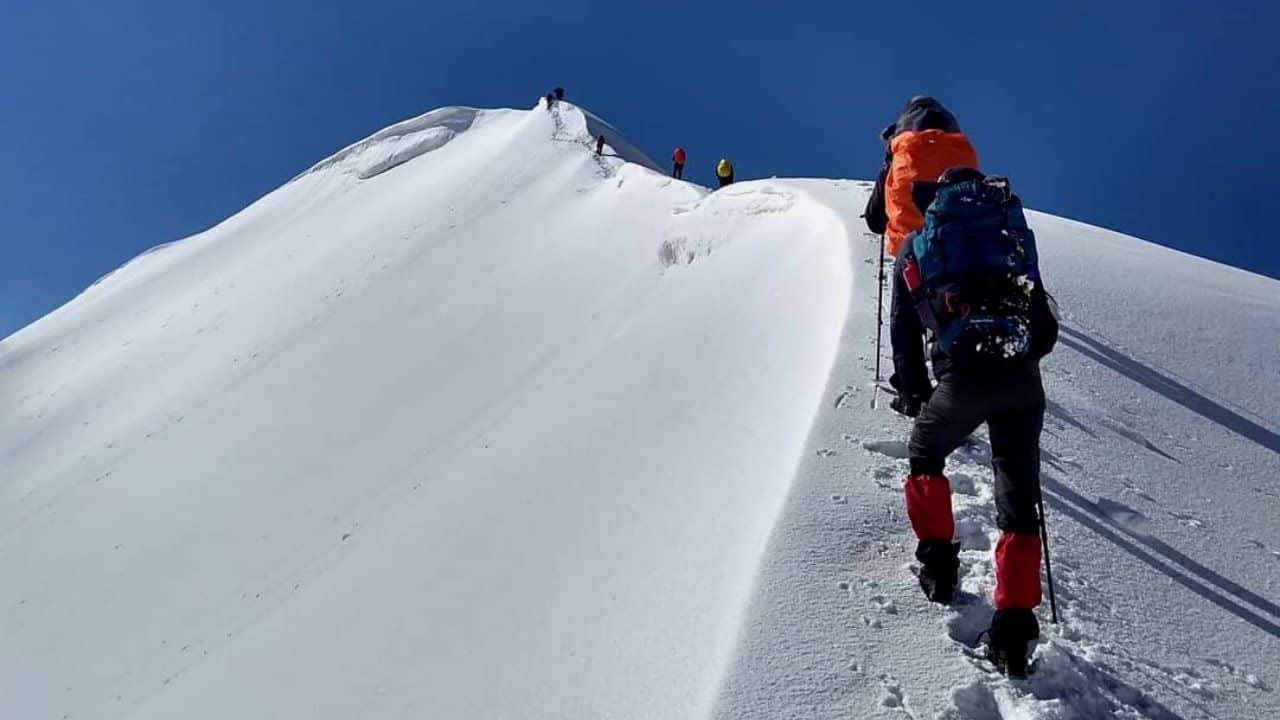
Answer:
(919, 155)
(678, 155)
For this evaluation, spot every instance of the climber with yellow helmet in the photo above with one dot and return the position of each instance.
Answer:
(724, 171)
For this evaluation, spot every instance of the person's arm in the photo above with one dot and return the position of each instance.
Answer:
(874, 214)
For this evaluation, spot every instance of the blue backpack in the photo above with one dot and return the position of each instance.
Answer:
(971, 269)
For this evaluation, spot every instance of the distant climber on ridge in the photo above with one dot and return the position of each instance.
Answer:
(599, 144)
(923, 142)
(677, 163)
(724, 172)
(988, 317)
(559, 93)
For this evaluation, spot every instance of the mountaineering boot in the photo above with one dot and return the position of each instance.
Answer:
(940, 564)
(1009, 639)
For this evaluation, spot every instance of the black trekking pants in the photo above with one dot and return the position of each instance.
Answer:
(1012, 405)
(677, 171)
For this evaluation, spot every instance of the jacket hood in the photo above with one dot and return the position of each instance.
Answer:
(921, 113)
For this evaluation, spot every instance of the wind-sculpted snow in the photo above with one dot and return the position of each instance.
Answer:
(446, 441)
(401, 142)
(621, 146)
(698, 229)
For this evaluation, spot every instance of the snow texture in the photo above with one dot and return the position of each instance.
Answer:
(466, 421)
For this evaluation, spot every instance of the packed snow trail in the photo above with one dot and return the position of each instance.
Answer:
(466, 421)
(1160, 479)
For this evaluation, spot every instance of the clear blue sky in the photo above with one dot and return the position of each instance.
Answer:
(131, 123)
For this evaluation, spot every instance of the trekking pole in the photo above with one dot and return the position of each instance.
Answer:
(879, 320)
(1048, 567)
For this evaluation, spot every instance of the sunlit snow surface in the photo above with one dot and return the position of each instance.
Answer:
(466, 421)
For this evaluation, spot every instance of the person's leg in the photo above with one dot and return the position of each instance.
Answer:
(1015, 457)
(946, 420)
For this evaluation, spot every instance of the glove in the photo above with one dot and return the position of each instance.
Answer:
(895, 383)
(908, 405)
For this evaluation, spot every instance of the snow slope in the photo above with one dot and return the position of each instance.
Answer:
(1160, 459)
(466, 421)
(448, 440)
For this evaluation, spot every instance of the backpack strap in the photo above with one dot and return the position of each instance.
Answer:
(920, 299)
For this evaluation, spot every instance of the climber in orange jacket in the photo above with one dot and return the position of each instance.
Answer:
(922, 144)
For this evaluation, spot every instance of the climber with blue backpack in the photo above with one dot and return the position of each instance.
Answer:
(969, 280)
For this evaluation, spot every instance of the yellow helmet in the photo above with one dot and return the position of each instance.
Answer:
(724, 168)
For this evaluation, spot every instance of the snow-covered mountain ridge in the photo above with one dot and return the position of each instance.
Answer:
(467, 421)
